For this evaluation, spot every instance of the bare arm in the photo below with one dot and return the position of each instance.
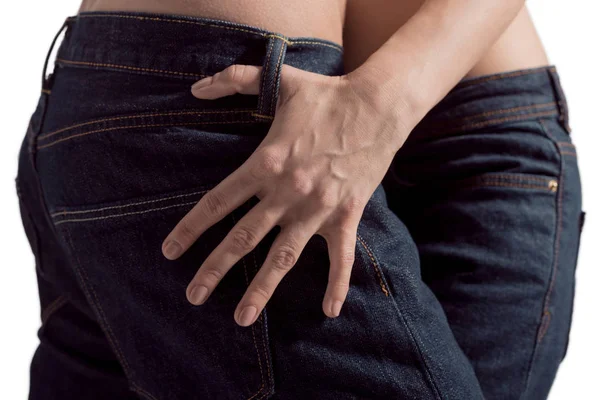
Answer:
(428, 55)
(328, 148)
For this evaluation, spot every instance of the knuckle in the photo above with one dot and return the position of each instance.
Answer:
(284, 259)
(244, 239)
(301, 183)
(213, 274)
(351, 206)
(213, 204)
(347, 258)
(261, 291)
(343, 285)
(269, 164)
(187, 230)
(327, 198)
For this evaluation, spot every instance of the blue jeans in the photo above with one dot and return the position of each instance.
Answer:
(463, 282)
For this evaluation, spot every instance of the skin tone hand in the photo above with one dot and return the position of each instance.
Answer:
(322, 159)
(329, 147)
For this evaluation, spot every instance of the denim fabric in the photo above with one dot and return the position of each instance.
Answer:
(463, 280)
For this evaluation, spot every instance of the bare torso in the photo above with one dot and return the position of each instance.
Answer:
(362, 26)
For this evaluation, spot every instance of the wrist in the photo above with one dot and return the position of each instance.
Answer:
(391, 99)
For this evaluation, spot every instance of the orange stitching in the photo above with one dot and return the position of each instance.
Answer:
(262, 116)
(542, 331)
(279, 37)
(46, 91)
(568, 153)
(109, 333)
(141, 126)
(47, 135)
(264, 76)
(52, 308)
(375, 266)
(181, 21)
(262, 382)
(293, 42)
(64, 212)
(565, 144)
(517, 177)
(504, 75)
(508, 184)
(507, 119)
(277, 72)
(94, 64)
(521, 108)
(124, 214)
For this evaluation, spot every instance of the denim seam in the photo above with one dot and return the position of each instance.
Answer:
(545, 316)
(46, 91)
(375, 266)
(412, 334)
(483, 124)
(262, 319)
(507, 110)
(183, 21)
(262, 378)
(126, 117)
(568, 153)
(127, 67)
(475, 81)
(544, 328)
(508, 184)
(134, 387)
(56, 304)
(199, 123)
(65, 212)
(63, 221)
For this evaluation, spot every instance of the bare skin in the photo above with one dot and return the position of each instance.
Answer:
(362, 26)
(333, 138)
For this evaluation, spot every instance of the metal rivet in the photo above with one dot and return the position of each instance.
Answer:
(553, 185)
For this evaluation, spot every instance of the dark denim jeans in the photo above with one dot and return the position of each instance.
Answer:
(463, 282)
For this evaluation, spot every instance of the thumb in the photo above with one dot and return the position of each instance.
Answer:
(237, 78)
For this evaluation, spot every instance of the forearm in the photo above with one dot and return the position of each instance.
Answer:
(429, 54)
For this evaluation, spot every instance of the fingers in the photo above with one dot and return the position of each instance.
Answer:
(284, 253)
(243, 238)
(243, 79)
(341, 255)
(212, 207)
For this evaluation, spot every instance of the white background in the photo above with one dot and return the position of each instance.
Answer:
(570, 31)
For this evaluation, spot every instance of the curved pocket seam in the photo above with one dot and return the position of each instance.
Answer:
(263, 387)
(412, 334)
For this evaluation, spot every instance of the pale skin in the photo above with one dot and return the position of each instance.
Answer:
(333, 139)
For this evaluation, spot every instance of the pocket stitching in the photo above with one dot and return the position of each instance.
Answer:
(405, 323)
(262, 386)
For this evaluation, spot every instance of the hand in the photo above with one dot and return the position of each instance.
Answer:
(326, 152)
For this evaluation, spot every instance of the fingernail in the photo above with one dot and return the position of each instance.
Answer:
(336, 308)
(247, 316)
(201, 83)
(198, 294)
(172, 250)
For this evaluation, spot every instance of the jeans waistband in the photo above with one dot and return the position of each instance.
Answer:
(189, 48)
(183, 47)
(490, 100)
